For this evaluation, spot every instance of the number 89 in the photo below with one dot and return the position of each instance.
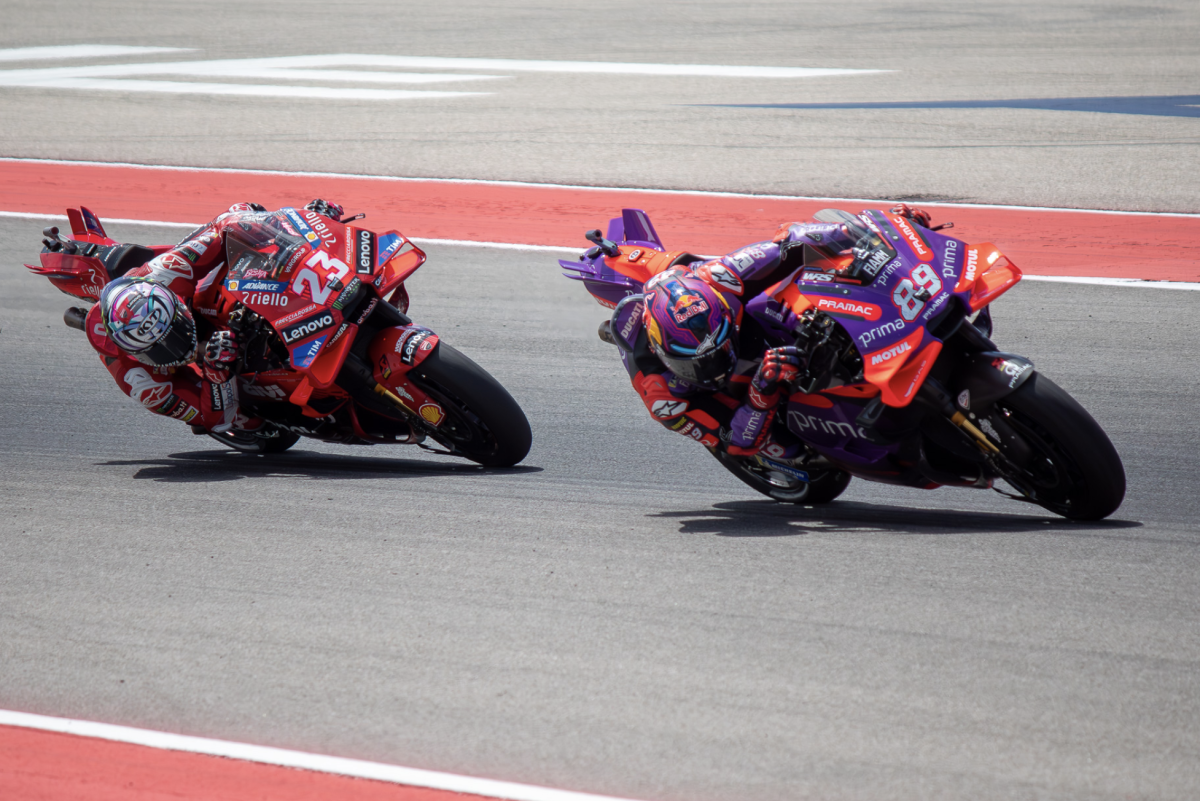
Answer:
(904, 295)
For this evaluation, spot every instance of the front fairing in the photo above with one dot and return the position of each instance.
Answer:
(293, 274)
(303, 272)
(898, 281)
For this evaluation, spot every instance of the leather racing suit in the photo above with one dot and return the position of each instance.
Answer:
(731, 416)
(185, 393)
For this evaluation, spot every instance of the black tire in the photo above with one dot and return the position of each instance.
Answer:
(1075, 471)
(253, 443)
(822, 487)
(483, 422)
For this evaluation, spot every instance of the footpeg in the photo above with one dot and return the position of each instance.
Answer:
(871, 413)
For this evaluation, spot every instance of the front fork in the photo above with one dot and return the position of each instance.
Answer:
(935, 395)
(1007, 463)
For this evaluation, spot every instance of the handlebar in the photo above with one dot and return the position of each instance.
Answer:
(605, 246)
(70, 247)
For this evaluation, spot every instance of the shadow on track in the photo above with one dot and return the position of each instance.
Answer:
(770, 519)
(209, 466)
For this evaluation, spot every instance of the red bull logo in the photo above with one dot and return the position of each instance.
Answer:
(688, 306)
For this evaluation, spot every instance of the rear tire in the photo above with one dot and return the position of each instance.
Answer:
(1075, 471)
(822, 487)
(483, 422)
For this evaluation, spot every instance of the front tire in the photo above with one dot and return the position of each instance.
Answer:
(483, 422)
(1070, 464)
(822, 487)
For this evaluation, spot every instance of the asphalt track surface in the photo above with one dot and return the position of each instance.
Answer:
(619, 615)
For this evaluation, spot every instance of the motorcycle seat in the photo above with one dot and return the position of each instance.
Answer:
(123, 258)
(684, 259)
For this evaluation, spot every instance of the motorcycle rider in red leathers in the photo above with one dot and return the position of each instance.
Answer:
(145, 333)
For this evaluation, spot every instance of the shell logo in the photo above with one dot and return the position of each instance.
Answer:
(432, 413)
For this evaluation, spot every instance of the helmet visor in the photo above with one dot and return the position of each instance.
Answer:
(177, 346)
(708, 365)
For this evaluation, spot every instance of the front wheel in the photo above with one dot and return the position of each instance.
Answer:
(1063, 460)
(822, 486)
(483, 422)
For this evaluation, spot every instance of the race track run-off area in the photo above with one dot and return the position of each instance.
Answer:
(1045, 242)
(616, 617)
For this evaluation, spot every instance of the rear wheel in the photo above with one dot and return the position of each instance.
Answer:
(483, 422)
(1064, 460)
(822, 486)
(256, 442)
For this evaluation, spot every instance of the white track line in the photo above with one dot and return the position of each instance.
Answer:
(357, 768)
(245, 89)
(234, 67)
(637, 190)
(329, 67)
(1133, 282)
(466, 243)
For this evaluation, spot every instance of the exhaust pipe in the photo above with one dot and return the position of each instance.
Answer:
(74, 317)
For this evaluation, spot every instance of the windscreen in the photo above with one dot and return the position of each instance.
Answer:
(870, 250)
(263, 246)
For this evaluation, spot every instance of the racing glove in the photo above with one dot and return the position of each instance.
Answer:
(919, 216)
(247, 206)
(331, 210)
(750, 427)
(779, 366)
(220, 353)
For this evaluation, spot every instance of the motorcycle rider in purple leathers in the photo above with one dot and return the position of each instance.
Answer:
(702, 366)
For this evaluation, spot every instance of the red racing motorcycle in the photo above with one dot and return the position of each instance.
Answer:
(326, 347)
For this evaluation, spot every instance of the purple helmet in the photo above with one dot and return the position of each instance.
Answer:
(149, 322)
(690, 327)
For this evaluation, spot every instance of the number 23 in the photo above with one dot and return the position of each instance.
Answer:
(334, 269)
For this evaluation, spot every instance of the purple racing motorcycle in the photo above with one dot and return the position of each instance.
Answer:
(902, 383)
